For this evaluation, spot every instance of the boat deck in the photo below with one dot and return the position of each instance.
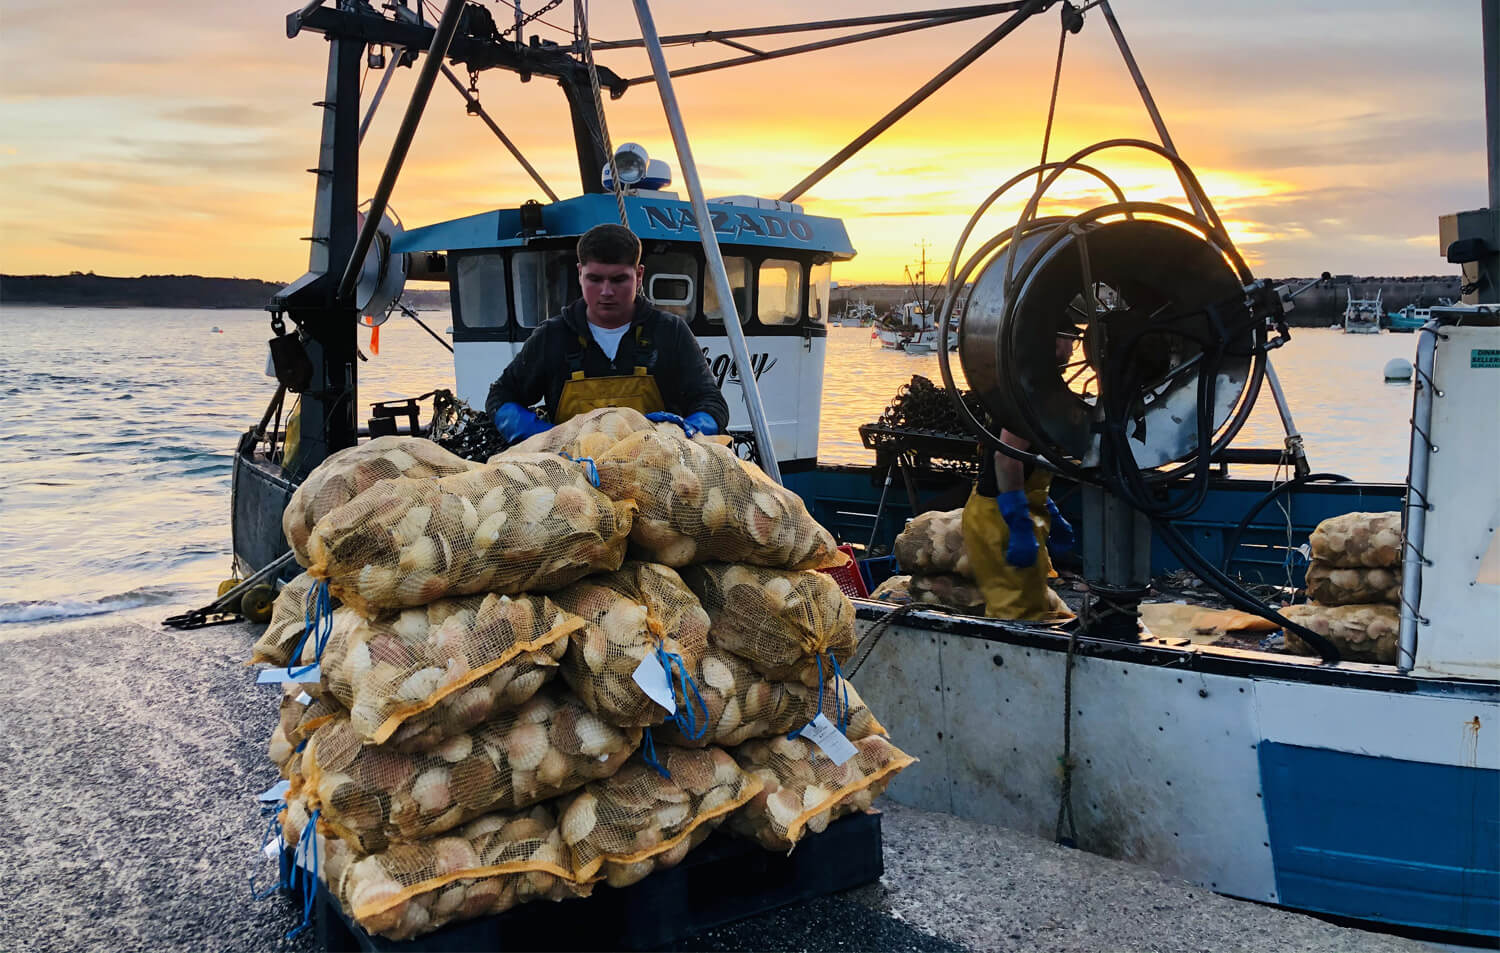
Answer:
(134, 752)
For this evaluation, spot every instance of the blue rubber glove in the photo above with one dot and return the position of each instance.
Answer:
(662, 417)
(516, 423)
(700, 423)
(1061, 539)
(1022, 549)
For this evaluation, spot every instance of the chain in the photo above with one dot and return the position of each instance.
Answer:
(544, 8)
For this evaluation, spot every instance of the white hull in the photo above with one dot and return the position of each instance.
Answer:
(1184, 765)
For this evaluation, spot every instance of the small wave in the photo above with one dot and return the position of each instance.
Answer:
(46, 610)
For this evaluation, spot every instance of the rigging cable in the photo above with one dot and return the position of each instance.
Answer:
(580, 13)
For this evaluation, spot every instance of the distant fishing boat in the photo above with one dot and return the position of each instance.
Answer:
(1362, 315)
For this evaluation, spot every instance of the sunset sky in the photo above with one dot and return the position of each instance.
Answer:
(163, 137)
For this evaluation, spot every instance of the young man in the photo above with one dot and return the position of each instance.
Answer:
(610, 349)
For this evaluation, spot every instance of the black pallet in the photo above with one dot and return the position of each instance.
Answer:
(726, 879)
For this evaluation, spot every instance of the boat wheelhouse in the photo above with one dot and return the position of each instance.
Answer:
(510, 269)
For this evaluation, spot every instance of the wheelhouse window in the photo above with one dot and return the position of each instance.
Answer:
(779, 298)
(819, 280)
(739, 282)
(482, 300)
(541, 280)
(672, 282)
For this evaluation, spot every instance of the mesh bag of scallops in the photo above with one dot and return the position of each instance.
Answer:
(933, 542)
(643, 637)
(1356, 540)
(353, 470)
(487, 866)
(586, 435)
(803, 789)
(789, 626)
(527, 523)
(371, 795)
(416, 677)
(698, 502)
(647, 817)
(289, 619)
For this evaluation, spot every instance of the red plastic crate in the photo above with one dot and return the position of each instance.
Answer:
(848, 575)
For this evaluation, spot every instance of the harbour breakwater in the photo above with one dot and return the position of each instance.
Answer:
(1318, 306)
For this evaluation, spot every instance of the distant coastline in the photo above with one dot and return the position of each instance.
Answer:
(1318, 306)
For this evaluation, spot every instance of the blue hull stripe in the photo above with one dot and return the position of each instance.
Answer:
(1382, 839)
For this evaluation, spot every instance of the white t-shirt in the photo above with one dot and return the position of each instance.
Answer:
(608, 338)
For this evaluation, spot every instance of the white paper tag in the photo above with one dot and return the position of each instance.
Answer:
(275, 792)
(821, 732)
(304, 699)
(653, 681)
(274, 847)
(304, 856)
(278, 676)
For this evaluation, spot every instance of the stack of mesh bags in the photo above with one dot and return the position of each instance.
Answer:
(424, 758)
(442, 768)
(931, 550)
(1353, 587)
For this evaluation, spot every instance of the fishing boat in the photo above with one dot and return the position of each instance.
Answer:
(1355, 789)
(1362, 315)
(856, 314)
(1412, 317)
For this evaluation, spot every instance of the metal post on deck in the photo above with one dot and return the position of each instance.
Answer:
(441, 37)
(711, 251)
(1413, 560)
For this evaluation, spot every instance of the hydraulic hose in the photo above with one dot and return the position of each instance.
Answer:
(1235, 594)
(1232, 542)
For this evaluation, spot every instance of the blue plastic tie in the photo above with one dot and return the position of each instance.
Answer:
(589, 468)
(840, 695)
(648, 754)
(310, 877)
(685, 718)
(265, 839)
(317, 621)
(300, 745)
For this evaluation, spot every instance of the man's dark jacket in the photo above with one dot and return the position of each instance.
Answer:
(673, 357)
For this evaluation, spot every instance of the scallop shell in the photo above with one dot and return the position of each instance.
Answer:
(579, 819)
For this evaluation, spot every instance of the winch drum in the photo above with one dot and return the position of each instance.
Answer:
(1164, 288)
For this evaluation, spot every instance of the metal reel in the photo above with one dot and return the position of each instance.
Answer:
(1112, 320)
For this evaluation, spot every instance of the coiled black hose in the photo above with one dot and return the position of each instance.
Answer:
(1232, 541)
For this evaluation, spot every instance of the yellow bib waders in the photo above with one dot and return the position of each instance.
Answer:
(581, 394)
(1009, 592)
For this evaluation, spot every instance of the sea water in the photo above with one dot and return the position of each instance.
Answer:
(119, 425)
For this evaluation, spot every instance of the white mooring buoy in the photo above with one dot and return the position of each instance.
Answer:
(1398, 369)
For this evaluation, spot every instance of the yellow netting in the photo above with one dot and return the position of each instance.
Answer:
(288, 615)
(488, 866)
(531, 523)
(945, 589)
(1359, 539)
(1367, 633)
(700, 503)
(371, 795)
(420, 675)
(802, 790)
(627, 614)
(637, 816)
(780, 622)
(743, 704)
(353, 470)
(1331, 585)
(587, 435)
(933, 542)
